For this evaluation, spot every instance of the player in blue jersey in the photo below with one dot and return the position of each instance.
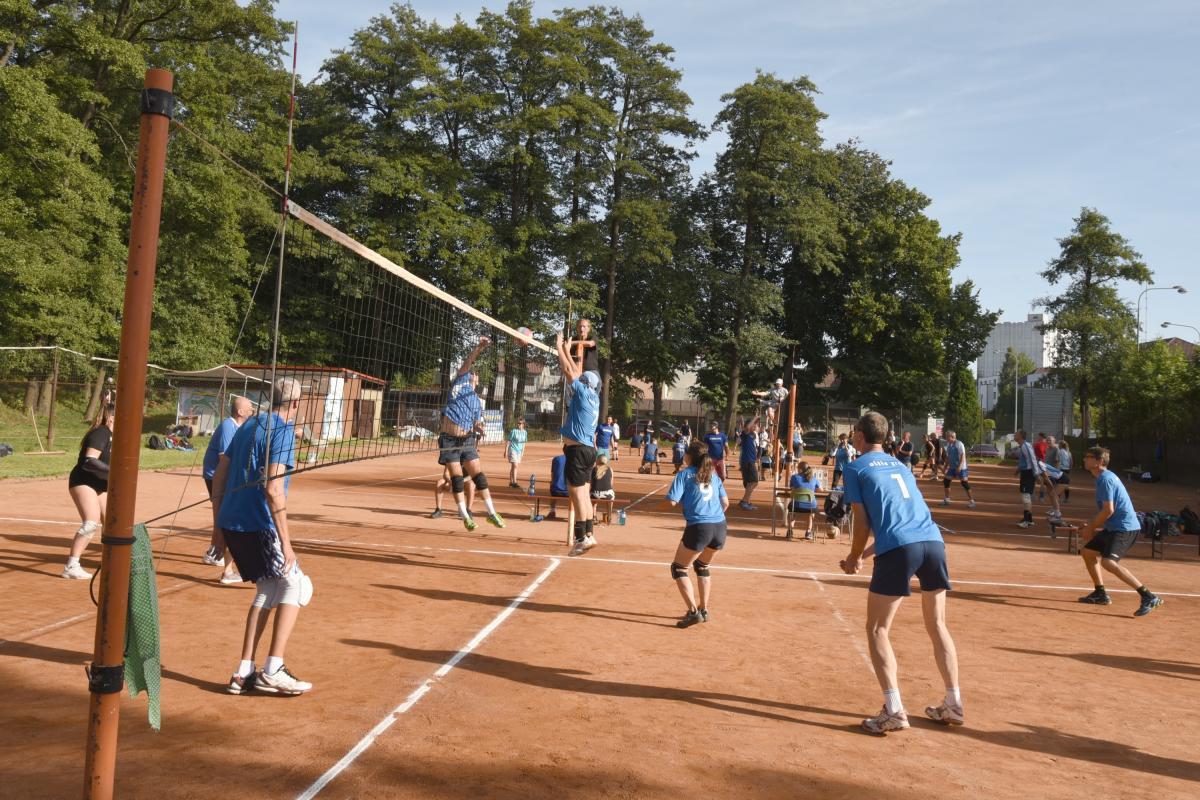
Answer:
(702, 493)
(578, 434)
(748, 462)
(716, 443)
(843, 454)
(888, 505)
(1115, 528)
(605, 437)
(457, 445)
(956, 468)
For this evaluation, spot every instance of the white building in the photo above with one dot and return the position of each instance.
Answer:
(1024, 337)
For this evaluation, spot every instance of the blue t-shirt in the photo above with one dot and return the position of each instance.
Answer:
(716, 445)
(841, 457)
(749, 445)
(888, 492)
(955, 458)
(463, 406)
(220, 440)
(651, 452)
(582, 413)
(1026, 459)
(1109, 487)
(604, 436)
(798, 483)
(679, 449)
(516, 440)
(700, 503)
(1064, 459)
(558, 475)
(244, 508)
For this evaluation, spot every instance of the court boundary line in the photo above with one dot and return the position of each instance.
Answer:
(427, 685)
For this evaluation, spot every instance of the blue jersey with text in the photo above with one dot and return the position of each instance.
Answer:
(582, 413)
(749, 445)
(244, 504)
(651, 452)
(888, 492)
(604, 436)
(841, 458)
(463, 406)
(1109, 487)
(700, 503)
(716, 445)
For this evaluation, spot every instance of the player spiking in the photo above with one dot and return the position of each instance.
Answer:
(457, 443)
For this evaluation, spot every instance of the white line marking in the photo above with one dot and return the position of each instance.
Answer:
(63, 623)
(425, 687)
(837, 612)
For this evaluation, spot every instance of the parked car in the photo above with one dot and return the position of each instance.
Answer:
(984, 451)
(816, 440)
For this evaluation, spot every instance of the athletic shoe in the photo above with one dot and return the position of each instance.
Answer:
(552, 515)
(945, 713)
(971, 504)
(240, 685)
(437, 514)
(230, 578)
(946, 501)
(1148, 604)
(809, 536)
(280, 682)
(496, 520)
(589, 541)
(1054, 516)
(578, 548)
(1099, 597)
(704, 614)
(75, 572)
(746, 506)
(693, 617)
(469, 523)
(211, 557)
(513, 486)
(1025, 523)
(884, 722)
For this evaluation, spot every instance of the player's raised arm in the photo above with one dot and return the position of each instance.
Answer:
(474, 354)
(570, 370)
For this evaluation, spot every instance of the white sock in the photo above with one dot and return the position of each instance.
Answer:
(72, 561)
(273, 664)
(487, 500)
(462, 508)
(953, 697)
(891, 701)
(244, 668)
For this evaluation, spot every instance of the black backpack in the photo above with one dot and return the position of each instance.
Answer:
(156, 443)
(1190, 521)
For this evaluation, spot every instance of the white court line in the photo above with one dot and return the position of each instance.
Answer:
(837, 612)
(423, 689)
(64, 623)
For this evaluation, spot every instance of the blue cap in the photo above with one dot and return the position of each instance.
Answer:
(590, 379)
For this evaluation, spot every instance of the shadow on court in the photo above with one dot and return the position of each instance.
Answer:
(530, 605)
(1142, 665)
(573, 680)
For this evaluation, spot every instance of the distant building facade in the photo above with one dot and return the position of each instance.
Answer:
(1023, 337)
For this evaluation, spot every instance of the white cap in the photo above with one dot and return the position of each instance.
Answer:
(779, 381)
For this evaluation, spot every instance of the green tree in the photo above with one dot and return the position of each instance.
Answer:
(1088, 315)
(1014, 370)
(963, 413)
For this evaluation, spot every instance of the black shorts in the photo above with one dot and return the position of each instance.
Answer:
(256, 553)
(456, 449)
(749, 472)
(895, 568)
(81, 477)
(1112, 544)
(208, 484)
(837, 474)
(1065, 479)
(580, 460)
(799, 509)
(1028, 481)
(704, 535)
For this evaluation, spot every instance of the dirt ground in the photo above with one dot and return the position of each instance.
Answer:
(450, 664)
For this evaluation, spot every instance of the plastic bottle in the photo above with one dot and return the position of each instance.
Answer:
(532, 485)
(621, 517)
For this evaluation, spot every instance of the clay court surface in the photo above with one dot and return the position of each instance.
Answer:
(577, 683)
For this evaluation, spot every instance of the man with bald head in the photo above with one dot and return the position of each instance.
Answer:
(240, 409)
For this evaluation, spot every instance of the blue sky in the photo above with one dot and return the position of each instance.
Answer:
(1010, 116)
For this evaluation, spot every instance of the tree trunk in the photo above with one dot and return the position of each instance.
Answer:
(610, 302)
(1085, 413)
(31, 396)
(93, 406)
(510, 376)
(735, 352)
(656, 390)
(45, 395)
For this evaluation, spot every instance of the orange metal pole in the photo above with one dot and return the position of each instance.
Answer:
(106, 675)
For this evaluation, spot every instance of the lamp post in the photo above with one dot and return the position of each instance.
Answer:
(1192, 328)
(1137, 338)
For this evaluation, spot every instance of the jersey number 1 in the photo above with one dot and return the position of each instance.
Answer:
(903, 489)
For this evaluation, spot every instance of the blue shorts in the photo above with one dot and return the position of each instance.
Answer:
(895, 568)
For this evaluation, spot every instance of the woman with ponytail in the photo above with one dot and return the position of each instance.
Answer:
(702, 494)
(88, 485)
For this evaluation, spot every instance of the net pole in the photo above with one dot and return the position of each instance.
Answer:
(106, 677)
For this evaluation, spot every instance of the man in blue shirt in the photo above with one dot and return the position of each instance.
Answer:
(604, 437)
(1116, 528)
(250, 490)
(717, 443)
(748, 462)
(888, 504)
(457, 445)
(578, 435)
(842, 456)
(240, 409)
(956, 468)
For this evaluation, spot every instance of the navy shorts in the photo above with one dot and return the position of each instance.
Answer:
(1112, 544)
(749, 472)
(1028, 481)
(704, 535)
(257, 553)
(895, 568)
(457, 449)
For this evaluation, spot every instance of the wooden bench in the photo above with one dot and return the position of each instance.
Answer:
(602, 508)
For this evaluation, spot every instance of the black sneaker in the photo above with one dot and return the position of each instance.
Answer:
(1148, 604)
(691, 618)
(437, 513)
(704, 614)
(1100, 598)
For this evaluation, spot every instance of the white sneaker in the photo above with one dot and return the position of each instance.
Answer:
(280, 682)
(75, 572)
(210, 558)
(946, 501)
(230, 578)
(971, 504)
(578, 547)
(1025, 524)
(589, 542)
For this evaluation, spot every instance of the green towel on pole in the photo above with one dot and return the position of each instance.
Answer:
(143, 663)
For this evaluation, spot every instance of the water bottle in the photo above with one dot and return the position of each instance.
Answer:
(532, 485)
(532, 516)
(621, 517)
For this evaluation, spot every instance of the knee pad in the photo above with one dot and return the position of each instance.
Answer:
(678, 571)
(88, 529)
(457, 483)
(1027, 500)
(966, 485)
(701, 568)
(480, 481)
(945, 483)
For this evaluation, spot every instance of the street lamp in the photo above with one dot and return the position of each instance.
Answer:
(1177, 325)
(1138, 333)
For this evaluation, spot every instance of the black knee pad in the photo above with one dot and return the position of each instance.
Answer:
(966, 485)
(457, 483)
(480, 481)
(701, 568)
(678, 571)
(945, 483)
